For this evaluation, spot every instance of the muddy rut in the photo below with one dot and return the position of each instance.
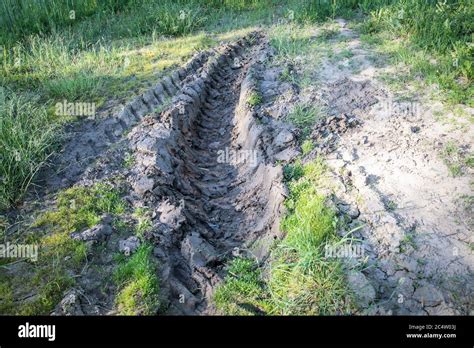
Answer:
(205, 167)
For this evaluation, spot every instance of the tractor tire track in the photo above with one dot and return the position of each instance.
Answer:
(209, 207)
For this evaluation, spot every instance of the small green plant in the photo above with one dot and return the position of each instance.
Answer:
(307, 146)
(292, 172)
(128, 161)
(72, 88)
(345, 54)
(390, 205)
(328, 33)
(469, 161)
(290, 41)
(452, 157)
(304, 117)
(174, 19)
(254, 99)
(138, 283)
(408, 241)
(289, 75)
(144, 223)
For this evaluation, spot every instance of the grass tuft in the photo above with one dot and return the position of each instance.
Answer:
(456, 160)
(254, 99)
(243, 291)
(304, 116)
(144, 223)
(138, 283)
(27, 138)
(82, 207)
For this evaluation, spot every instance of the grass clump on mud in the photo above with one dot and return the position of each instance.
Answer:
(299, 279)
(304, 116)
(27, 138)
(307, 147)
(144, 223)
(44, 281)
(138, 283)
(244, 291)
(254, 99)
(456, 159)
(82, 207)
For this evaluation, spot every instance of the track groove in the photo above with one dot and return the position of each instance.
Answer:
(202, 217)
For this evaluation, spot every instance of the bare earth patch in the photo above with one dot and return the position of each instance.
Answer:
(416, 237)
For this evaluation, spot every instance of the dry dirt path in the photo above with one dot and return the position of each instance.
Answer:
(388, 174)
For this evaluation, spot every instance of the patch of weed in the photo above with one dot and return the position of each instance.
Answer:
(138, 284)
(254, 99)
(59, 255)
(144, 223)
(243, 292)
(27, 139)
(304, 117)
(307, 146)
(292, 172)
(453, 158)
(81, 207)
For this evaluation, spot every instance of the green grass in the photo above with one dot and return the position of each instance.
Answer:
(27, 138)
(328, 33)
(292, 172)
(128, 160)
(390, 205)
(304, 116)
(144, 224)
(344, 54)
(60, 256)
(254, 99)
(408, 242)
(81, 207)
(300, 280)
(22, 18)
(307, 146)
(290, 41)
(433, 39)
(138, 284)
(456, 160)
(243, 292)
